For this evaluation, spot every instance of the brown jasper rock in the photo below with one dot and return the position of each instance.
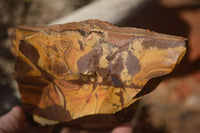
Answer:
(87, 70)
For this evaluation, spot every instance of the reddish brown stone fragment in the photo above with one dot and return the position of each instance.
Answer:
(87, 70)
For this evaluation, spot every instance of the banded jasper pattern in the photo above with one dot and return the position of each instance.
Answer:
(91, 67)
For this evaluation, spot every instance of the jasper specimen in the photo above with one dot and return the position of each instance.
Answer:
(74, 70)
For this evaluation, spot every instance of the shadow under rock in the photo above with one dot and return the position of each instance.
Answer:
(8, 98)
(143, 123)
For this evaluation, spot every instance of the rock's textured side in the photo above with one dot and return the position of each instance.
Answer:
(91, 67)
